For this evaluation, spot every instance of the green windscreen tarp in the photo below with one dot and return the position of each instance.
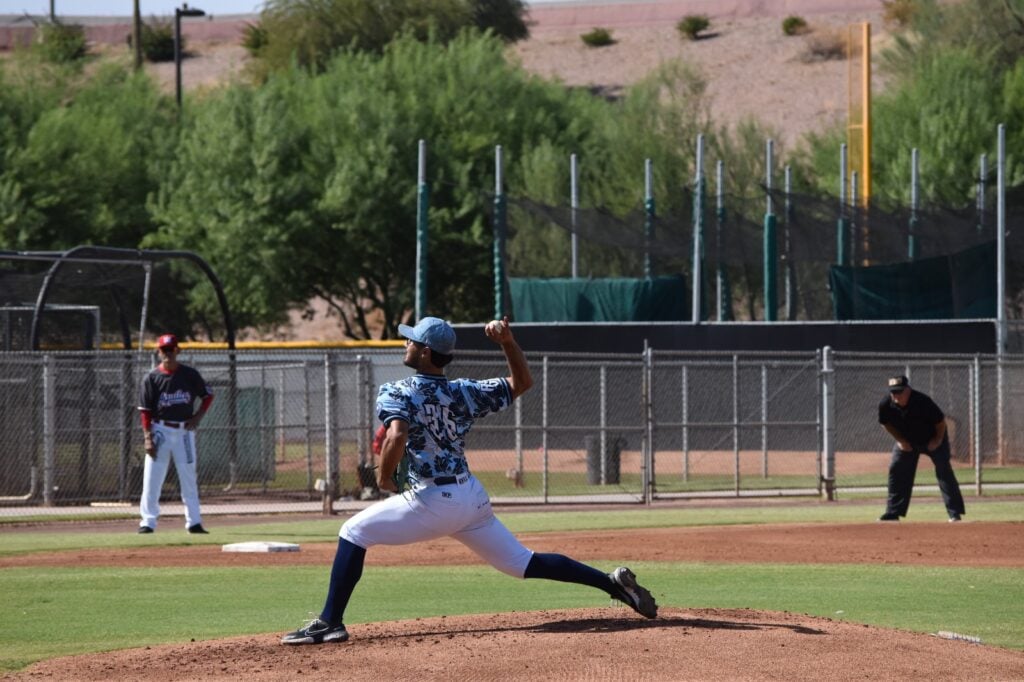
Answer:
(957, 286)
(599, 300)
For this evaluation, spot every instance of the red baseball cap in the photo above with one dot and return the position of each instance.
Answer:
(167, 341)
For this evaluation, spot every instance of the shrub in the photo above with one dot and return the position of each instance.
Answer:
(158, 40)
(691, 25)
(794, 25)
(898, 13)
(61, 43)
(823, 46)
(254, 37)
(598, 37)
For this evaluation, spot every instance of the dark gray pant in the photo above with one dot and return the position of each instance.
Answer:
(902, 470)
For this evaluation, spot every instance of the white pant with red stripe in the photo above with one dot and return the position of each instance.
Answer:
(179, 444)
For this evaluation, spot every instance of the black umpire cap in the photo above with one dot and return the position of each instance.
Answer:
(897, 384)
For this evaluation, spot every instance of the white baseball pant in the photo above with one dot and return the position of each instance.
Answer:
(461, 510)
(179, 444)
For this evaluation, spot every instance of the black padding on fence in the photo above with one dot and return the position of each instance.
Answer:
(622, 299)
(956, 286)
(975, 336)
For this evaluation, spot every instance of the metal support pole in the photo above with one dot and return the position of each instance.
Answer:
(843, 226)
(912, 227)
(574, 203)
(790, 267)
(1001, 290)
(422, 207)
(854, 226)
(499, 236)
(519, 438)
(698, 226)
(771, 301)
(722, 293)
(177, 57)
(982, 173)
(649, 212)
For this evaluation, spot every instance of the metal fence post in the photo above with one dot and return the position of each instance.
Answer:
(307, 421)
(518, 405)
(649, 480)
(330, 476)
(49, 428)
(828, 417)
(736, 422)
(544, 428)
(604, 423)
(686, 424)
(976, 422)
(764, 421)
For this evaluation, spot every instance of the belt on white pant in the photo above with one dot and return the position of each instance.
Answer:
(447, 480)
(173, 425)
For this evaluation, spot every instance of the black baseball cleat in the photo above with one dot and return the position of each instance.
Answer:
(316, 632)
(198, 530)
(889, 516)
(145, 529)
(954, 518)
(632, 594)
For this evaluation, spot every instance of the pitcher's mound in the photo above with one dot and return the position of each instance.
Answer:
(593, 644)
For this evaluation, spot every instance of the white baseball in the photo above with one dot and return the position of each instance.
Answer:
(496, 326)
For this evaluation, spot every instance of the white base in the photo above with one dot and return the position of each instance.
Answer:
(261, 547)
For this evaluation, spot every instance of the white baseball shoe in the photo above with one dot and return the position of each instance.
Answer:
(632, 594)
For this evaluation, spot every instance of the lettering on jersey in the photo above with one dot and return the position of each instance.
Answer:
(176, 398)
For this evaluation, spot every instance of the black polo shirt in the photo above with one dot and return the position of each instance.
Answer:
(915, 422)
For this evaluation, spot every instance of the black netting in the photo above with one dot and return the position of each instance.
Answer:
(89, 303)
(812, 234)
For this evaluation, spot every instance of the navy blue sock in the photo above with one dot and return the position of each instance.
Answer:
(562, 568)
(346, 572)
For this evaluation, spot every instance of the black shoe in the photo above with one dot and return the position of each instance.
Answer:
(198, 530)
(145, 529)
(316, 632)
(632, 593)
(954, 518)
(889, 516)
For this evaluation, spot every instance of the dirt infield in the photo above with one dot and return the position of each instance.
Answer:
(609, 643)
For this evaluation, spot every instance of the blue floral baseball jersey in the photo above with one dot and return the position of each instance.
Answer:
(440, 412)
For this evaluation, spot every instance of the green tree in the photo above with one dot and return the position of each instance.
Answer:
(306, 186)
(83, 170)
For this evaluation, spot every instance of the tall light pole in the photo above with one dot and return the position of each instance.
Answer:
(179, 12)
(137, 34)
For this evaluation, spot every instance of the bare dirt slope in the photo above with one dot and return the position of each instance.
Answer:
(752, 68)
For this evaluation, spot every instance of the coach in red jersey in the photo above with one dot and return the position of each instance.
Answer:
(167, 403)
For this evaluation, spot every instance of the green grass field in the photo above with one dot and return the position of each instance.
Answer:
(105, 608)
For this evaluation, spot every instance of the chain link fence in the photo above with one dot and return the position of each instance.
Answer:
(296, 426)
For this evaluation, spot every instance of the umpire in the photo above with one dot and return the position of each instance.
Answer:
(919, 427)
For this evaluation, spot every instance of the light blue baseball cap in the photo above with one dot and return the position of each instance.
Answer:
(432, 332)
